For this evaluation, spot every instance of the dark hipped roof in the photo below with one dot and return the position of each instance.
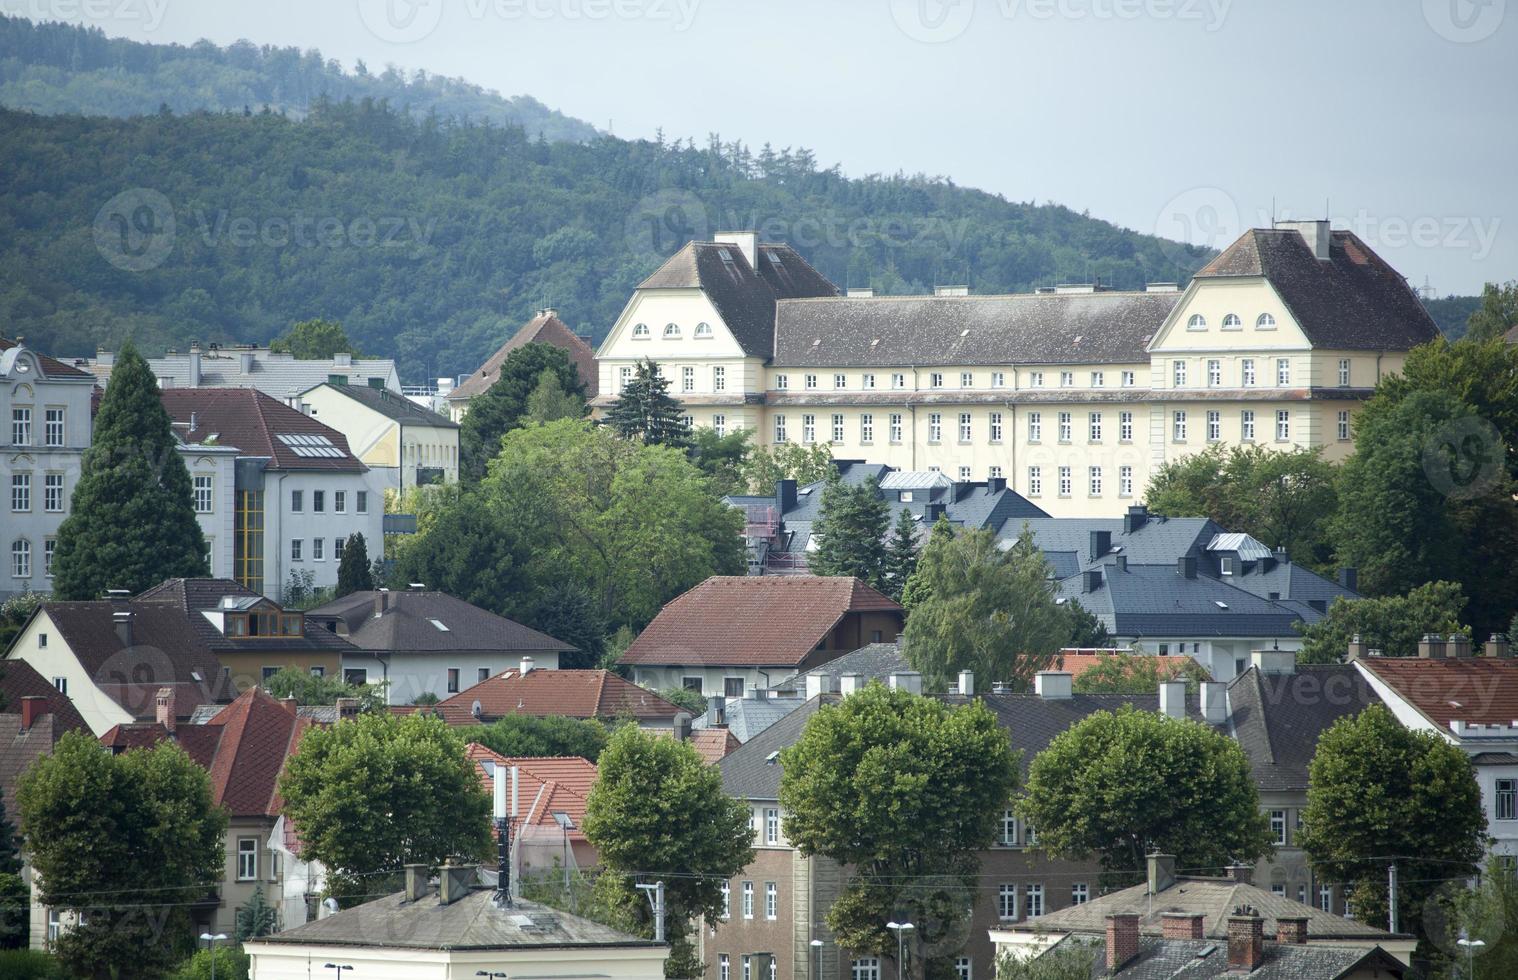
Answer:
(51, 366)
(1036, 328)
(744, 297)
(253, 422)
(410, 625)
(192, 596)
(545, 328)
(1353, 300)
(1157, 600)
(393, 406)
(1201, 959)
(1277, 719)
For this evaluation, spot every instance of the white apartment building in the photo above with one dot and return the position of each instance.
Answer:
(277, 374)
(406, 444)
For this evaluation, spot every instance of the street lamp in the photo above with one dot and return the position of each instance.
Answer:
(900, 928)
(817, 948)
(1471, 945)
(211, 941)
(339, 967)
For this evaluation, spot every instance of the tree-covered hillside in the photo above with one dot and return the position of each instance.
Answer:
(434, 240)
(60, 68)
(1452, 312)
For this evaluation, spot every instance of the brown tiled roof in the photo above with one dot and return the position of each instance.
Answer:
(253, 422)
(574, 693)
(713, 743)
(1353, 300)
(191, 596)
(51, 366)
(545, 328)
(19, 679)
(544, 784)
(21, 746)
(1076, 664)
(760, 620)
(1477, 690)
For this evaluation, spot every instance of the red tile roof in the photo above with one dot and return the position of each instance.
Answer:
(253, 422)
(759, 620)
(575, 693)
(1077, 664)
(713, 743)
(545, 328)
(544, 785)
(1478, 690)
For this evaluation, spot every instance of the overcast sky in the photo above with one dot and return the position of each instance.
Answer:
(1183, 117)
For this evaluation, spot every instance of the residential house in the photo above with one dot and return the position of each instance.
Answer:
(586, 694)
(406, 444)
(1074, 394)
(548, 825)
(742, 718)
(1469, 701)
(244, 747)
(279, 375)
(421, 641)
(545, 327)
(1198, 908)
(45, 410)
(112, 657)
(732, 634)
(299, 490)
(253, 637)
(463, 929)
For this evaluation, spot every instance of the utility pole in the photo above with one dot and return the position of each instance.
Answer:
(656, 900)
(1391, 902)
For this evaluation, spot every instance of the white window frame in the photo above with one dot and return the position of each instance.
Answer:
(965, 427)
(21, 558)
(897, 428)
(837, 428)
(1094, 481)
(1034, 899)
(809, 429)
(840, 382)
(1066, 481)
(1214, 425)
(1214, 373)
(205, 493)
(719, 377)
(782, 382)
(994, 426)
(1344, 426)
(1124, 426)
(247, 859)
(1233, 321)
(1178, 426)
(866, 428)
(1197, 322)
(1006, 902)
(1246, 372)
(1246, 425)
(1066, 426)
(687, 379)
(54, 431)
(1035, 427)
(1035, 481)
(1125, 481)
(21, 493)
(1283, 372)
(772, 825)
(52, 493)
(21, 425)
(771, 901)
(1094, 427)
(780, 428)
(1178, 374)
(748, 900)
(1283, 425)
(935, 427)
(1080, 893)
(1343, 372)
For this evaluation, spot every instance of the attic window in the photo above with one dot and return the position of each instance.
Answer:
(725, 256)
(640, 331)
(438, 623)
(772, 758)
(964, 333)
(703, 330)
(311, 446)
(1078, 338)
(671, 330)
(875, 342)
(1220, 603)
(774, 258)
(817, 342)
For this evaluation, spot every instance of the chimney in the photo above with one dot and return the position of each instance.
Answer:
(785, 496)
(681, 726)
(1122, 939)
(1459, 646)
(1292, 931)
(967, 683)
(418, 885)
(1215, 702)
(1052, 685)
(908, 680)
(342, 358)
(245, 361)
(1101, 543)
(1161, 872)
(861, 292)
(290, 703)
(32, 708)
(346, 708)
(455, 880)
(996, 484)
(1240, 873)
(1497, 646)
(716, 711)
(1315, 233)
(1431, 647)
(1182, 925)
(1091, 580)
(747, 242)
(1136, 518)
(817, 684)
(381, 602)
(756, 694)
(1185, 566)
(1357, 648)
(1274, 662)
(194, 370)
(1120, 563)
(526, 666)
(1350, 579)
(1173, 699)
(850, 684)
(1246, 940)
(122, 621)
(165, 714)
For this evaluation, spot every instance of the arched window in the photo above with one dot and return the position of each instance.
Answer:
(1265, 322)
(640, 331)
(21, 558)
(1232, 322)
(671, 330)
(703, 330)
(1197, 322)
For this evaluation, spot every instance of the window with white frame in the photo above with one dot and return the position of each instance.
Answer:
(21, 558)
(50, 548)
(964, 474)
(21, 426)
(703, 330)
(866, 428)
(998, 379)
(205, 493)
(318, 501)
(935, 379)
(837, 428)
(1094, 427)
(1098, 379)
(962, 968)
(1343, 426)
(867, 381)
(1283, 425)
(1178, 427)
(782, 382)
(1125, 426)
(1006, 902)
(1197, 322)
(719, 377)
(339, 501)
(1246, 372)
(1094, 480)
(809, 429)
(1008, 834)
(1065, 481)
(748, 968)
(21, 492)
(247, 858)
(688, 422)
(1129, 379)
(898, 381)
(640, 331)
(1283, 371)
(1326, 898)
(771, 900)
(719, 425)
(994, 420)
(1214, 373)
(1080, 893)
(52, 493)
(624, 375)
(810, 381)
(724, 966)
(964, 426)
(671, 331)
(865, 968)
(52, 433)
(1125, 481)
(1233, 322)
(1035, 481)
(780, 428)
(1035, 426)
(896, 428)
(1178, 373)
(1265, 322)
(317, 552)
(727, 901)
(1035, 894)
(1035, 379)
(994, 473)
(1343, 372)
(1507, 799)
(1067, 379)
(748, 899)
(840, 382)
(687, 379)
(1066, 426)
(1214, 425)
(935, 427)
(1278, 827)
(297, 546)
(772, 825)
(1246, 425)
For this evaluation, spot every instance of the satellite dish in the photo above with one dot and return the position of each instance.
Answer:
(474, 709)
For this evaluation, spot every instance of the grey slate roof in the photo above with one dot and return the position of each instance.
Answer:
(746, 717)
(1352, 301)
(392, 405)
(1199, 959)
(408, 625)
(471, 923)
(280, 376)
(1277, 719)
(1037, 328)
(875, 660)
(747, 771)
(1156, 600)
(745, 297)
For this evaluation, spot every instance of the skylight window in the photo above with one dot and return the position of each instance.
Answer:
(438, 623)
(1220, 603)
(725, 256)
(311, 446)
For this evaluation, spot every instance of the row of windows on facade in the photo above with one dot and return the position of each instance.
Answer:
(640, 331)
(863, 968)
(204, 496)
(1232, 321)
(52, 427)
(339, 501)
(21, 556)
(318, 549)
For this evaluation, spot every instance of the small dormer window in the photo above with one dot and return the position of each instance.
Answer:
(703, 330)
(671, 330)
(1232, 322)
(640, 331)
(1265, 322)
(1197, 322)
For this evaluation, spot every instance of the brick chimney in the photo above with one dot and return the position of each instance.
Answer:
(32, 708)
(1292, 930)
(1161, 872)
(1182, 925)
(1246, 940)
(290, 703)
(1122, 939)
(165, 712)
(1240, 874)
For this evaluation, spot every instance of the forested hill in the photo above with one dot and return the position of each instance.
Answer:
(433, 240)
(62, 68)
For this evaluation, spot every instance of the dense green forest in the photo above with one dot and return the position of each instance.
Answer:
(434, 239)
(1451, 312)
(61, 68)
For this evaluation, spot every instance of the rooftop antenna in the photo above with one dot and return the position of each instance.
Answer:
(1272, 210)
(503, 840)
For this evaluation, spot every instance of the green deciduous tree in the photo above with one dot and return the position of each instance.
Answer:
(1086, 631)
(307, 688)
(645, 411)
(1283, 499)
(722, 458)
(132, 520)
(902, 790)
(657, 806)
(1390, 624)
(787, 461)
(684, 697)
(314, 340)
(1378, 792)
(531, 735)
(380, 791)
(1072, 959)
(131, 840)
(988, 610)
(919, 588)
(850, 532)
(1497, 314)
(464, 548)
(568, 611)
(231, 963)
(1486, 912)
(549, 402)
(353, 574)
(15, 898)
(1134, 673)
(1119, 785)
(503, 406)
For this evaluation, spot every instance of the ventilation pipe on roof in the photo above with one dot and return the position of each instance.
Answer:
(1173, 699)
(381, 602)
(1136, 518)
(1214, 702)
(1498, 646)
(967, 683)
(909, 681)
(122, 621)
(1459, 646)
(850, 684)
(817, 684)
(1431, 647)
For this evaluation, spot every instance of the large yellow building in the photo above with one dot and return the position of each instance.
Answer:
(1075, 395)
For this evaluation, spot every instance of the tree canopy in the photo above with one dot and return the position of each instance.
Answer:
(314, 340)
(308, 688)
(766, 465)
(1136, 673)
(645, 411)
(850, 532)
(353, 572)
(1497, 314)
(1390, 624)
(504, 406)
(531, 735)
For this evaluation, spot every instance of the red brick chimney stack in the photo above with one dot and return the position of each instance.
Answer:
(1246, 940)
(1122, 939)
